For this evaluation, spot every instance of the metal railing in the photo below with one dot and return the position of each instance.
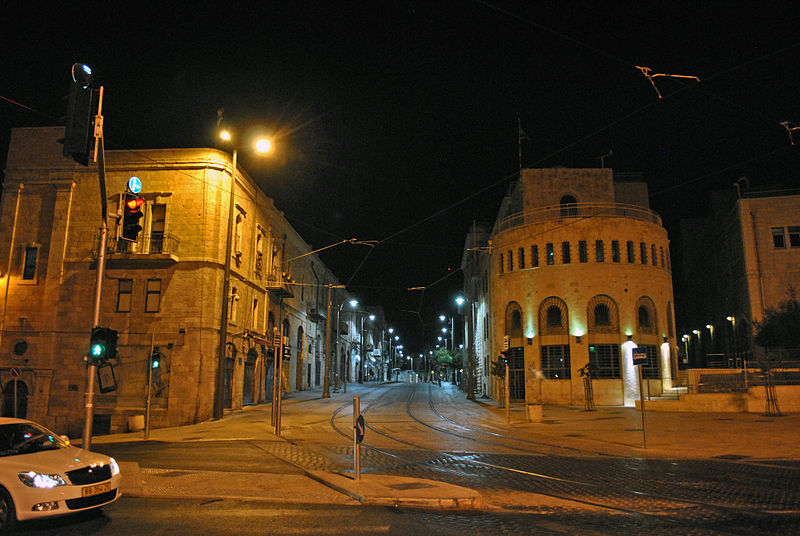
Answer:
(152, 244)
(577, 210)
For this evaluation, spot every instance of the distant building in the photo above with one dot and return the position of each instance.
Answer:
(575, 271)
(163, 290)
(738, 260)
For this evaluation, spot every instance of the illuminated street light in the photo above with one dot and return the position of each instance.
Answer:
(219, 398)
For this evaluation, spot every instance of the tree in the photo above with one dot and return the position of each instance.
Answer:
(780, 327)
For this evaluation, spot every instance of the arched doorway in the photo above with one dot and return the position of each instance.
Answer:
(516, 351)
(18, 389)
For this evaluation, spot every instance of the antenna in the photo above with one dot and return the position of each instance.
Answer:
(647, 72)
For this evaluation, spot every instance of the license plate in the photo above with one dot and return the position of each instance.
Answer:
(88, 491)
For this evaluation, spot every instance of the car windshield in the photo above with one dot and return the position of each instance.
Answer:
(26, 438)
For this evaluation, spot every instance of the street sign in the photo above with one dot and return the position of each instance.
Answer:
(360, 428)
(505, 343)
(16, 372)
(276, 339)
(639, 356)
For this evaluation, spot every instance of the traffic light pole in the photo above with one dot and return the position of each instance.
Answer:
(91, 369)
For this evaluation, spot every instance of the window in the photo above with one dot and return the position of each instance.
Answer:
(778, 238)
(502, 265)
(569, 206)
(653, 256)
(794, 236)
(661, 250)
(631, 252)
(534, 256)
(598, 251)
(650, 370)
(605, 360)
(602, 315)
(510, 261)
(254, 327)
(521, 258)
(554, 317)
(124, 294)
(152, 302)
(615, 250)
(643, 252)
(644, 317)
(237, 235)
(565, 253)
(555, 362)
(29, 269)
(158, 218)
(259, 266)
(233, 312)
(583, 255)
(550, 254)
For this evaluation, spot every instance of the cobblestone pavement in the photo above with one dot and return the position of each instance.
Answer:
(531, 482)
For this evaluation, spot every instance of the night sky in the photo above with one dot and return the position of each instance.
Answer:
(397, 121)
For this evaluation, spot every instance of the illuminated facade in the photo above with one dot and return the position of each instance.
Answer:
(164, 290)
(578, 273)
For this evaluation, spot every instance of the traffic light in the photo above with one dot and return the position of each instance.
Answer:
(102, 345)
(80, 115)
(131, 214)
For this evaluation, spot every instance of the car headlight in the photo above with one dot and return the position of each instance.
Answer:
(114, 467)
(41, 480)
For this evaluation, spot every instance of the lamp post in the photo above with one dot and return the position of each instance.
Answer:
(460, 300)
(261, 146)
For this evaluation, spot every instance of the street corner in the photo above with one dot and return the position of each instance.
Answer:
(385, 490)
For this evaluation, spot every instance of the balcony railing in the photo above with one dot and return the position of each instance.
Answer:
(152, 244)
(576, 211)
(278, 283)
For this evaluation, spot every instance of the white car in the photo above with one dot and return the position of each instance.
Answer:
(42, 475)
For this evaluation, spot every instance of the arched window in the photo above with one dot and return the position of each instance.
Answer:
(646, 315)
(513, 320)
(553, 317)
(602, 316)
(569, 206)
(300, 340)
(259, 253)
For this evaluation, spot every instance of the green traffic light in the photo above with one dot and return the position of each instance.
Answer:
(98, 350)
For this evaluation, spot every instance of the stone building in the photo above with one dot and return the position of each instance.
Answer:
(162, 293)
(741, 258)
(577, 272)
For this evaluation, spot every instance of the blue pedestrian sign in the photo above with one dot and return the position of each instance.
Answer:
(639, 356)
(134, 185)
(360, 428)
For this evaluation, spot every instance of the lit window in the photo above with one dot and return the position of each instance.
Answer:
(124, 294)
(29, 270)
(152, 302)
(778, 238)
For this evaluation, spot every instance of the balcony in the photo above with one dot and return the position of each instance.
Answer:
(574, 211)
(279, 284)
(157, 250)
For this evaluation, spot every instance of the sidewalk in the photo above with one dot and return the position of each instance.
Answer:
(321, 479)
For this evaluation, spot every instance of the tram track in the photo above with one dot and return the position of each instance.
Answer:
(613, 500)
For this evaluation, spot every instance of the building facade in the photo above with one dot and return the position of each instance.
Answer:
(741, 259)
(577, 275)
(162, 293)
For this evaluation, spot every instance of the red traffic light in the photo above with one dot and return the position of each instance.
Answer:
(134, 202)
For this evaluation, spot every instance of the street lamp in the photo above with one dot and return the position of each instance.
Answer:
(261, 146)
(460, 300)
